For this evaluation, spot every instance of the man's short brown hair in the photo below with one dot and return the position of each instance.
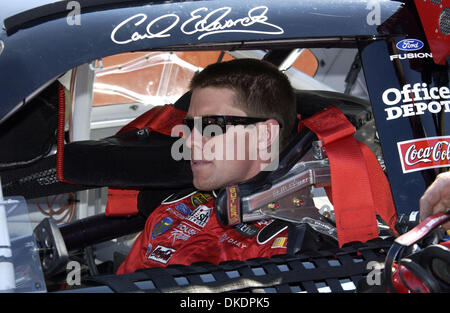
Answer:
(261, 90)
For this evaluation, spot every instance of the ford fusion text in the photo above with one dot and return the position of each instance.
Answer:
(410, 45)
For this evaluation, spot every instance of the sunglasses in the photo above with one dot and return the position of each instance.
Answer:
(221, 121)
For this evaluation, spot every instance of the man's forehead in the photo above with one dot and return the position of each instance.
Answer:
(213, 101)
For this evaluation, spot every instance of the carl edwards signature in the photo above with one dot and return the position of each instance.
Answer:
(202, 22)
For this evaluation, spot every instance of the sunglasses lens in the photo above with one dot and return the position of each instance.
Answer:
(216, 126)
(189, 122)
(201, 123)
(219, 122)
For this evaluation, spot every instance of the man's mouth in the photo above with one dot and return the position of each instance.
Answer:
(196, 164)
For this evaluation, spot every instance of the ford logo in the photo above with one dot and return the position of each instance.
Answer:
(410, 45)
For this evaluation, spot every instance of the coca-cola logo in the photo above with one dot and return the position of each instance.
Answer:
(420, 154)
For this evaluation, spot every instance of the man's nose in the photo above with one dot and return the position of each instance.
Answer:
(195, 139)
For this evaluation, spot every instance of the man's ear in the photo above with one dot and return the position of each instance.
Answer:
(268, 134)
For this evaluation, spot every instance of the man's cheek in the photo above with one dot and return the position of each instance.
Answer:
(215, 149)
(235, 147)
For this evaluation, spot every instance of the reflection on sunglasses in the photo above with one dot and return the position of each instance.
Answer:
(220, 121)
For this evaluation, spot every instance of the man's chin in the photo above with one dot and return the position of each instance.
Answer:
(205, 185)
(202, 186)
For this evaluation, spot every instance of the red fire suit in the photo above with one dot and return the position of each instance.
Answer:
(186, 230)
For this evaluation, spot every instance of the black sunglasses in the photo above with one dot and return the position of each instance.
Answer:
(222, 121)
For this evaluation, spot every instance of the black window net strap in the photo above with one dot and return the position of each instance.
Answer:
(326, 271)
(115, 283)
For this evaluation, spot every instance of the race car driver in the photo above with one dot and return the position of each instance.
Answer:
(184, 228)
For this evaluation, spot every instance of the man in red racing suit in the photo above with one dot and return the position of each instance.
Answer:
(185, 229)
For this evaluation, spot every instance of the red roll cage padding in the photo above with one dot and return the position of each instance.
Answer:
(359, 188)
(122, 202)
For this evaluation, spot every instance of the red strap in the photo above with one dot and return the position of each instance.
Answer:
(160, 119)
(381, 191)
(358, 185)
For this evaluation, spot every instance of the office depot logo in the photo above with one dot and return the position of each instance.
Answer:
(421, 154)
(416, 99)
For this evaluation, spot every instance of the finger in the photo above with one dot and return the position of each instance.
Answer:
(446, 226)
(437, 193)
(442, 207)
(428, 201)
